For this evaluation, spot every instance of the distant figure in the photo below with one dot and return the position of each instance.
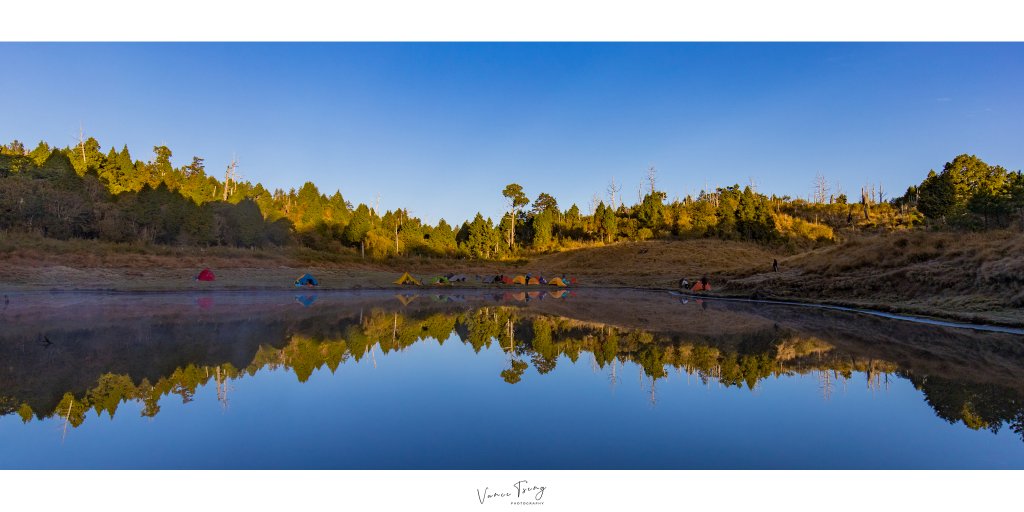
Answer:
(704, 283)
(775, 265)
(684, 283)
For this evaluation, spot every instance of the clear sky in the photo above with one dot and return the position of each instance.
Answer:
(442, 128)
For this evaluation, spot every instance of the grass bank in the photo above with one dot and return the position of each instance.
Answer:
(974, 277)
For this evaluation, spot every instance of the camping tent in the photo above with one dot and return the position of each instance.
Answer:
(519, 280)
(307, 280)
(457, 278)
(408, 279)
(206, 275)
(439, 281)
(533, 280)
(507, 280)
(556, 282)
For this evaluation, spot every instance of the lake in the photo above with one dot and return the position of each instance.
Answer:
(552, 379)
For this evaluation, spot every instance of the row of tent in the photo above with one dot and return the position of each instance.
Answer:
(408, 279)
(303, 280)
(307, 280)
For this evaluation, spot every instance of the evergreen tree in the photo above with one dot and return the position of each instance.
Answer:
(40, 153)
(937, 196)
(542, 227)
(356, 230)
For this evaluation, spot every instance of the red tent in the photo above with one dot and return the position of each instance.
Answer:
(206, 275)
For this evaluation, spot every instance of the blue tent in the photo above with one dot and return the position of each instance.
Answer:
(307, 280)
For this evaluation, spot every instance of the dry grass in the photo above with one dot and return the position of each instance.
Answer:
(972, 276)
(657, 263)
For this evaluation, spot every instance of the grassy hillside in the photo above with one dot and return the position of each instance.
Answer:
(971, 276)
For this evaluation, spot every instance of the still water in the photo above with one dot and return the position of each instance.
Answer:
(482, 380)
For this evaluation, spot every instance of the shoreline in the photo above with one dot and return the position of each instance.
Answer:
(894, 313)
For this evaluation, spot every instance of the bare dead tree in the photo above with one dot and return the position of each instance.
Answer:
(81, 142)
(820, 188)
(613, 191)
(652, 176)
(865, 200)
(230, 176)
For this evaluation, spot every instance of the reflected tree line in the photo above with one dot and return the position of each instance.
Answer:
(539, 342)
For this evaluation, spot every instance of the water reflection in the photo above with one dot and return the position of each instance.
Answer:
(96, 353)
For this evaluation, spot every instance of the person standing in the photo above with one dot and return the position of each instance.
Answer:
(775, 265)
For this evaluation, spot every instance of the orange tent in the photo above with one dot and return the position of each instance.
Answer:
(533, 280)
(698, 287)
(556, 282)
(519, 280)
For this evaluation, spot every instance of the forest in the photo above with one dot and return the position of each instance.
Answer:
(83, 192)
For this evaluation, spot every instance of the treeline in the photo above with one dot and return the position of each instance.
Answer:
(83, 192)
(969, 193)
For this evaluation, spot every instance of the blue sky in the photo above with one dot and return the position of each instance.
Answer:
(442, 128)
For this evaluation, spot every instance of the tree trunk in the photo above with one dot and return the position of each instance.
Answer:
(512, 230)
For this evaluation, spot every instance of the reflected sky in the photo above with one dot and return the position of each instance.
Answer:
(486, 381)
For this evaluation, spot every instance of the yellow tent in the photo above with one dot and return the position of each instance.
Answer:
(407, 279)
(519, 280)
(533, 280)
(556, 282)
